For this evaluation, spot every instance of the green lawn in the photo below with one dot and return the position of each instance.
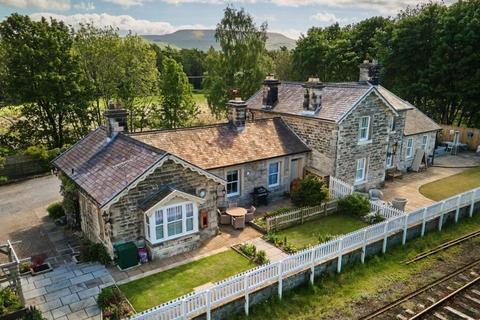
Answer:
(452, 185)
(153, 290)
(332, 297)
(307, 234)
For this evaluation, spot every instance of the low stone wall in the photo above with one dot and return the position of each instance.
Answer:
(330, 266)
(22, 166)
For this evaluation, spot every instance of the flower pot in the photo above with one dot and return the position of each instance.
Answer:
(42, 268)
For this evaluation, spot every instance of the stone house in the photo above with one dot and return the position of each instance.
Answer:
(163, 188)
(356, 130)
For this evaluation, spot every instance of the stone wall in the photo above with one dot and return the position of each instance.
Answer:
(128, 220)
(396, 136)
(404, 162)
(320, 136)
(255, 174)
(349, 148)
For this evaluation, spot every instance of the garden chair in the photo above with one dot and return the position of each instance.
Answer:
(223, 218)
(250, 214)
(233, 204)
(238, 222)
(375, 194)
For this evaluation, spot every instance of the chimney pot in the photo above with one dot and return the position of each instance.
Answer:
(313, 95)
(116, 118)
(369, 71)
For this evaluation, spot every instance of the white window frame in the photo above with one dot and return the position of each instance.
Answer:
(363, 168)
(409, 149)
(392, 124)
(233, 194)
(425, 142)
(278, 173)
(151, 225)
(362, 128)
(389, 159)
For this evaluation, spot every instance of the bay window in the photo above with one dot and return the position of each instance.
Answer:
(273, 174)
(171, 221)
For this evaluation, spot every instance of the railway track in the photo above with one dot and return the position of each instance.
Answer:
(444, 246)
(454, 296)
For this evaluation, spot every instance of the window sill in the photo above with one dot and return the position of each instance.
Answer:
(364, 142)
(233, 195)
(154, 243)
(357, 183)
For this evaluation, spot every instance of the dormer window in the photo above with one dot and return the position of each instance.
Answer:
(364, 130)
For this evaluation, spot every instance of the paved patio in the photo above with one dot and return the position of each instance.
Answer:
(408, 186)
(273, 253)
(69, 292)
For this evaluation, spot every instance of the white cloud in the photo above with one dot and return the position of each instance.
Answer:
(86, 6)
(127, 3)
(325, 17)
(42, 4)
(124, 23)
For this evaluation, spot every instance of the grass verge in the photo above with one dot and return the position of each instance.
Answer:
(452, 185)
(308, 233)
(156, 289)
(334, 296)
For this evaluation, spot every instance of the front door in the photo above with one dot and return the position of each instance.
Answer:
(296, 169)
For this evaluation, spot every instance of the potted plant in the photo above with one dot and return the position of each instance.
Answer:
(39, 266)
(25, 268)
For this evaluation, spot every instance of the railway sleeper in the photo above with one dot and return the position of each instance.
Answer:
(475, 300)
(457, 313)
(440, 316)
(466, 307)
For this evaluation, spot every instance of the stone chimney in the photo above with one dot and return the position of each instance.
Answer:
(312, 101)
(237, 113)
(369, 71)
(116, 119)
(270, 92)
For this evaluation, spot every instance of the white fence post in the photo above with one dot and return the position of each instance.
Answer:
(280, 279)
(184, 309)
(440, 221)
(423, 222)
(312, 267)
(457, 211)
(247, 302)
(405, 229)
(385, 237)
(339, 261)
(209, 305)
(364, 247)
(472, 205)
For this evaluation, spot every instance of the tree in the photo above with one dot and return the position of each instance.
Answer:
(43, 75)
(177, 106)
(283, 68)
(99, 52)
(138, 79)
(241, 62)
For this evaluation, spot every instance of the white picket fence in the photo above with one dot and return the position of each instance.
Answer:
(299, 215)
(385, 210)
(338, 189)
(243, 284)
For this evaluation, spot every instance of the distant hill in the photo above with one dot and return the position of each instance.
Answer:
(203, 39)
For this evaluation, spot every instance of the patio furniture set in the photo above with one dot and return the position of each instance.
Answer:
(236, 216)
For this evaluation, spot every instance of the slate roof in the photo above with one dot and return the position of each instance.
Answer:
(337, 99)
(104, 168)
(220, 145)
(417, 122)
(155, 197)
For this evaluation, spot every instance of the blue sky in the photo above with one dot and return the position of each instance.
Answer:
(291, 17)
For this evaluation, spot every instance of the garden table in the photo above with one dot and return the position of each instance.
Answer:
(236, 212)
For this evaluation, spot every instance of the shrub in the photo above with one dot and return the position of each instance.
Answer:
(3, 180)
(375, 218)
(271, 237)
(354, 204)
(113, 304)
(55, 210)
(310, 192)
(90, 251)
(261, 258)
(249, 249)
(326, 237)
(289, 248)
(9, 301)
(109, 296)
(277, 212)
(33, 314)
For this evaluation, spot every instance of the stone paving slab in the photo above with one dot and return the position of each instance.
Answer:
(273, 253)
(69, 292)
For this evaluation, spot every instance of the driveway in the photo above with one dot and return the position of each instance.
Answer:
(23, 215)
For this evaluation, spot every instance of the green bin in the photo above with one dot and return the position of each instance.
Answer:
(127, 255)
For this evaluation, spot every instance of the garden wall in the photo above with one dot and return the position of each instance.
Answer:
(22, 166)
